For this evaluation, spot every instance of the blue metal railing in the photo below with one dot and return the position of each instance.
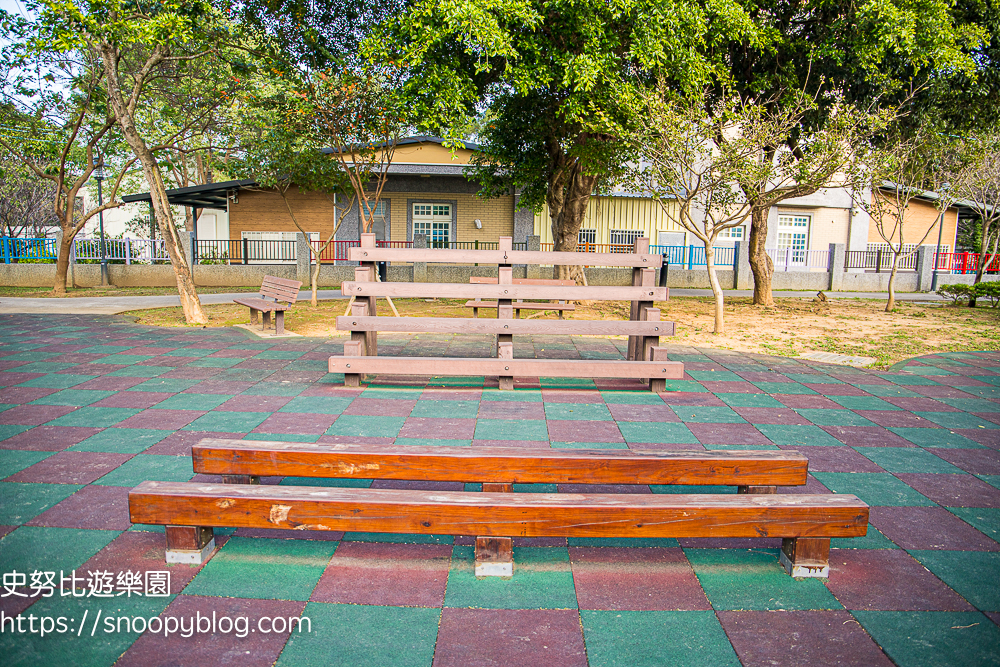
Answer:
(690, 256)
(15, 249)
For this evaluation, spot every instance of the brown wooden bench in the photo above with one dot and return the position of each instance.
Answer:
(282, 292)
(520, 304)
(753, 472)
(361, 352)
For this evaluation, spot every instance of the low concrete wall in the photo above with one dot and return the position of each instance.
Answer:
(800, 280)
(879, 282)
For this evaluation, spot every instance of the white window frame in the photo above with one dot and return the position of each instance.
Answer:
(793, 233)
(435, 223)
(625, 239)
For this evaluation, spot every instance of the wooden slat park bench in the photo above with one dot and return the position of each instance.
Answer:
(753, 472)
(642, 360)
(520, 304)
(282, 292)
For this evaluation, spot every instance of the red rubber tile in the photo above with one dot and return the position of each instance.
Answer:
(837, 459)
(249, 403)
(191, 373)
(142, 551)
(137, 400)
(281, 534)
(888, 580)
(219, 388)
(867, 436)
(111, 383)
(355, 440)
(404, 575)
(49, 438)
(988, 437)
(837, 389)
(915, 404)
(571, 396)
(14, 604)
(796, 638)
(450, 394)
(93, 507)
(929, 528)
(34, 415)
(730, 387)
(436, 427)
(807, 401)
(629, 412)
(953, 490)
(975, 461)
(417, 485)
(380, 407)
(338, 391)
(727, 434)
(71, 468)
(811, 486)
(525, 444)
(292, 422)
(169, 420)
(510, 638)
(691, 398)
(895, 418)
(179, 443)
(566, 430)
(646, 579)
(511, 410)
(771, 416)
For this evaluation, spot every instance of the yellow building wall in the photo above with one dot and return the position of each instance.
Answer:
(920, 217)
(430, 153)
(827, 225)
(265, 211)
(607, 213)
(497, 215)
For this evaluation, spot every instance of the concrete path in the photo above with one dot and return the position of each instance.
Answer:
(110, 305)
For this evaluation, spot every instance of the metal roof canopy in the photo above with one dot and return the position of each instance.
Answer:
(212, 195)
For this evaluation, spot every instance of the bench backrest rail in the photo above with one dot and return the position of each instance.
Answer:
(280, 289)
(494, 326)
(466, 291)
(504, 257)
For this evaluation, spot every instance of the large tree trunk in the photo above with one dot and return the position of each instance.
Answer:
(62, 261)
(713, 280)
(194, 313)
(760, 264)
(567, 197)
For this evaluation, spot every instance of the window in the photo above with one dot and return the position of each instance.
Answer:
(623, 240)
(793, 233)
(734, 233)
(587, 236)
(434, 221)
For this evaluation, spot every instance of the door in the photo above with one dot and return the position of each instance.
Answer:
(793, 237)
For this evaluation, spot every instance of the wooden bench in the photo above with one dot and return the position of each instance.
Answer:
(361, 352)
(753, 472)
(282, 292)
(521, 304)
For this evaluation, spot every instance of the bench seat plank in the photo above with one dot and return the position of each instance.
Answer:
(457, 366)
(467, 291)
(499, 464)
(448, 256)
(497, 514)
(261, 304)
(494, 326)
(522, 305)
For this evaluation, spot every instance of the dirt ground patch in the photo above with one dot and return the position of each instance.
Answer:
(857, 327)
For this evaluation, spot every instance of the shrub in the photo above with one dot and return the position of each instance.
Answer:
(958, 292)
(988, 290)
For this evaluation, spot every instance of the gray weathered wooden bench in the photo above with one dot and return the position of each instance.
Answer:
(191, 510)
(282, 292)
(643, 361)
(520, 304)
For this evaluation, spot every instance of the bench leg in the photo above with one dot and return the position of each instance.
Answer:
(253, 316)
(657, 385)
(495, 555)
(279, 322)
(354, 348)
(806, 556)
(756, 490)
(189, 544)
(505, 350)
(241, 479)
(267, 319)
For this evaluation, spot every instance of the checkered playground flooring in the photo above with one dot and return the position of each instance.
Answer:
(91, 406)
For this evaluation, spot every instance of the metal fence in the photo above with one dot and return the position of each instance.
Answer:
(880, 260)
(965, 262)
(245, 251)
(793, 259)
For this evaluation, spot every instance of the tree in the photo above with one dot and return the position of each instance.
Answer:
(977, 182)
(25, 200)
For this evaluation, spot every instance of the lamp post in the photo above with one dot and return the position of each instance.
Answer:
(99, 176)
(937, 252)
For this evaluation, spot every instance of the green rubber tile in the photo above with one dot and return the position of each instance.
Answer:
(149, 467)
(402, 394)
(192, 402)
(655, 639)
(983, 392)
(511, 429)
(74, 397)
(752, 447)
(707, 414)
(589, 445)
(631, 397)
(102, 649)
(639, 432)
(749, 401)
(284, 388)
(122, 440)
(542, 580)
(829, 417)
(31, 356)
(189, 352)
(874, 488)
(449, 409)
(783, 388)
(863, 403)
(517, 395)
(927, 370)
(984, 519)
(215, 362)
(56, 381)
(753, 579)
(691, 488)
(315, 405)
(264, 569)
(140, 371)
(366, 426)
(579, 411)
(798, 436)
(810, 378)
(123, 359)
(10, 430)
(340, 482)
(105, 349)
(21, 347)
(624, 542)
(910, 380)
(31, 548)
(94, 417)
(363, 636)
(282, 437)
(397, 538)
(170, 385)
(872, 540)
(933, 638)
(280, 354)
(971, 574)
(715, 376)
(431, 442)
(687, 386)
(993, 480)
(957, 420)
(566, 383)
(228, 422)
(971, 404)
(15, 460)
(936, 437)
(907, 459)
(535, 488)
(20, 503)
(886, 391)
(45, 367)
(989, 379)
(308, 365)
